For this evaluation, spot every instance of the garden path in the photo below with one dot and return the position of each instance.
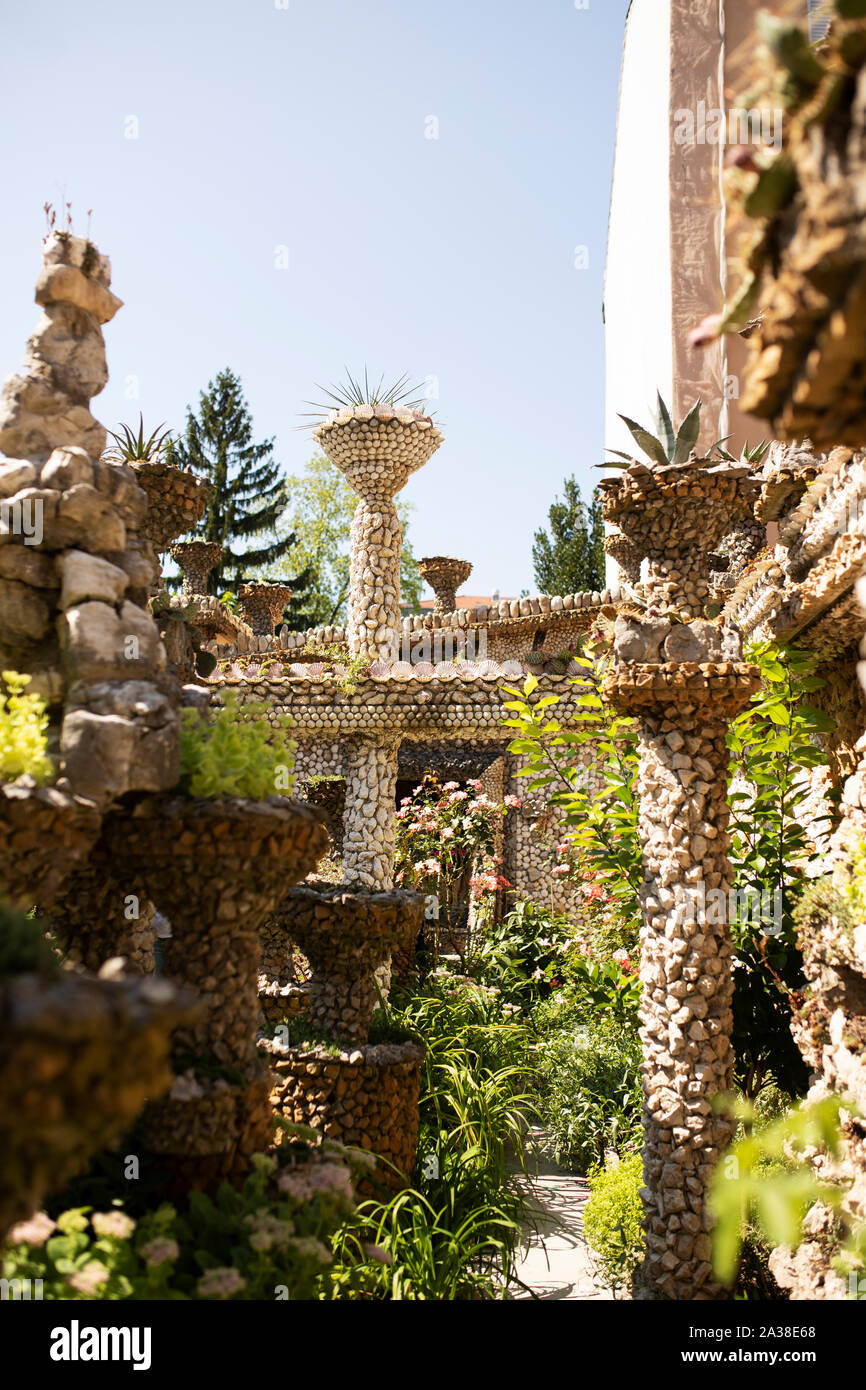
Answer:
(556, 1264)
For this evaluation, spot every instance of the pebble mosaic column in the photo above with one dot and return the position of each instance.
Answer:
(374, 618)
(686, 1008)
(368, 822)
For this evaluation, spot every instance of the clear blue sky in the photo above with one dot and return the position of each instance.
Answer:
(261, 127)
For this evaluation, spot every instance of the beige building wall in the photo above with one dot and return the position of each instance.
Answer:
(672, 253)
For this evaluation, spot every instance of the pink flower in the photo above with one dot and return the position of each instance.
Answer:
(90, 1279)
(476, 784)
(220, 1283)
(622, 958)
(561, 869)
(707, 331)
(112, 1223)
(34, 1231)
(459, 796)
(448, 833)
(450, 786)
(160, 1250)
(512, 801)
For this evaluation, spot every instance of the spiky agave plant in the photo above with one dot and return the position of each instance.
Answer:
(135, 448)
(350, 394)
(669, 445)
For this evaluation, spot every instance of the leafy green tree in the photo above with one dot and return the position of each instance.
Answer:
(318, 518)
(774, 749)
(570, 559)
(249, 493)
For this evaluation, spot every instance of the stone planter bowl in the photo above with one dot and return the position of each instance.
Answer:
(45, 832)
(195, 560)
(176, 501)
(346, 936)
(366, 1098)
(216, 869)
(377, 450)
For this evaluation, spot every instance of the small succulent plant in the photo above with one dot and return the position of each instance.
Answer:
(535, 658)
(135, 448)
(755, 454)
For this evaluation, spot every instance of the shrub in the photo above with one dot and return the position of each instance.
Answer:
(23, 728)
(590, 1092)
(612, 1219)
(524, 954)
(235, 752)
(266, 1240)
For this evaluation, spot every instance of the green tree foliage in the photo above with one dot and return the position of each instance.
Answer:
(570, 559)
(774, 749)
(249, 494)
(318, 519)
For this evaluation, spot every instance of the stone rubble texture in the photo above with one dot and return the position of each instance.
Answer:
(72, 603)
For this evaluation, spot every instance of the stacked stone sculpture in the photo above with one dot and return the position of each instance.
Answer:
(76, 566)
(79, 1056)
(368, 1095)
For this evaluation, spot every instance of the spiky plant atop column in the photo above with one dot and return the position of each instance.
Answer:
(676, 508)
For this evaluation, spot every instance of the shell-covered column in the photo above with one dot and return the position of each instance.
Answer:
(368, 823)
(376, 448)
(683, 708)
(444, 576)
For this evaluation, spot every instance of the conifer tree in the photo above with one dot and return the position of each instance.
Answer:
(249, 492)
(571, 559)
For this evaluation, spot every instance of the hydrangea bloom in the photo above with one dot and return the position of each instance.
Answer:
(220, 1283)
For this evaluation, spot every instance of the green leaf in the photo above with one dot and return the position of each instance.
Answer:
(652, 447)
(689, 430)
(666, 429)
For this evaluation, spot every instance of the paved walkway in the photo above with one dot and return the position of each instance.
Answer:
(557, 1263)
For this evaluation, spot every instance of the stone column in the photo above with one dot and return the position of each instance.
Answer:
(444, 576)
(374, 580)
(376, 448)
(368, 822)
(686, 1011)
